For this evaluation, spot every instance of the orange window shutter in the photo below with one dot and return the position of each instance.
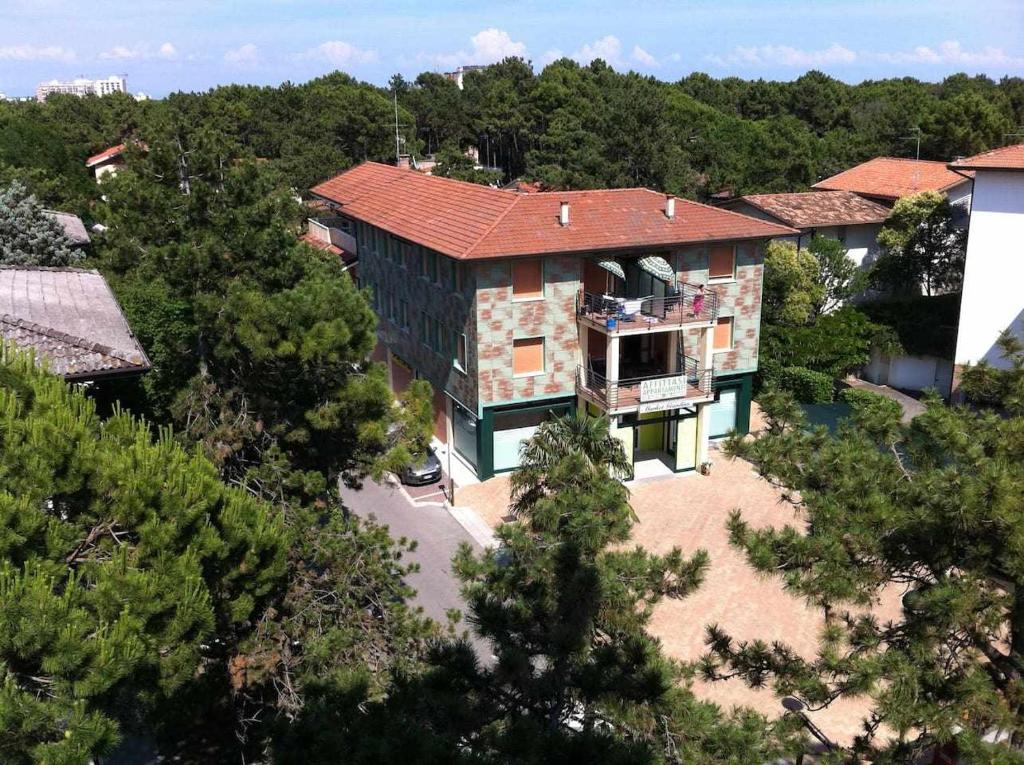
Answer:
(723, 333)
(527, 278)
(528, 356)
(723, 262)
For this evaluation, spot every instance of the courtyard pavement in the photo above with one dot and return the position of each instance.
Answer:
(690, 511)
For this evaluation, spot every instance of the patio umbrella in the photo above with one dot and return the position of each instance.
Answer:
(613, 267)
(657, 267)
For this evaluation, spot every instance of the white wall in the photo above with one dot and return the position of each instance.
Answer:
(993, 295)
(910, 372)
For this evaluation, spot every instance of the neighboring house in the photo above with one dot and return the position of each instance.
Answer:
(459, 75)
(852, 219)
(72, 321)
(519, 306)
(107, 162)
(82, 87)
(886, 179)
(993, 299)
(73, 228)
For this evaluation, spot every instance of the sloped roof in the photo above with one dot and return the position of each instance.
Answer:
(892, 178)
(72, 225)
(70, 317)
(469, 221)
(105, 155)
(1006, 158)
(807, 209)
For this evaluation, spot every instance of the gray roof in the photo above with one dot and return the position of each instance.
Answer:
(69, 317)
(72, 225)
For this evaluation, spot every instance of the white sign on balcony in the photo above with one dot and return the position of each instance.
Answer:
(663, 388)
(663, 405)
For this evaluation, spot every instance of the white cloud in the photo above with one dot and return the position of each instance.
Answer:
(785, 55)
(550, 56)
(246, 56)
(36, 53)
(136, 52)
(675, 58)
(643, 57)
(607, 48)
(340, 53)
(487, 46)
(952, 52)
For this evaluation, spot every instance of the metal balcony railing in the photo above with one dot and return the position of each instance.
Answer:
(689, 384)
(650, 313)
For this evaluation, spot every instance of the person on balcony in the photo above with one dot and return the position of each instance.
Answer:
(698, 301)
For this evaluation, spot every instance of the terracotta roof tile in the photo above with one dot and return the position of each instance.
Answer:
(892, 178)
(70, 317)
(809, 209)
(465, 220)
(1006, 158)
(103, 156)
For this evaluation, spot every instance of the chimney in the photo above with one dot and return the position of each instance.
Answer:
(670, 206)
(563, 214)
(404, 161)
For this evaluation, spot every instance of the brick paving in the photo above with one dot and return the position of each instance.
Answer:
(690, 511)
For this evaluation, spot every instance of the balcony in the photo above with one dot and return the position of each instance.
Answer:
(628, 316)
(651, 393)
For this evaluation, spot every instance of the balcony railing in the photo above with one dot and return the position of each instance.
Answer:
(617, 314)
(649, 393)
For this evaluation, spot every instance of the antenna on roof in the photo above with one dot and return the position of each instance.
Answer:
(915, 137)
(398, 142)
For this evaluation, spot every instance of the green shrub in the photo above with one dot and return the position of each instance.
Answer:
(808, 386)
(866, 402)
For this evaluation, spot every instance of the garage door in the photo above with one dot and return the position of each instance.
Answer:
(723, 413)
(511, 431)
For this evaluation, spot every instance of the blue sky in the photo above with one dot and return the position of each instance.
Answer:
(167, 45)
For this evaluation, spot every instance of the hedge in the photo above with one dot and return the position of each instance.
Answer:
(808, 386)
(866, 401)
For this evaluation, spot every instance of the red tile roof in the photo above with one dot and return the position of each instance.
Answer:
(892, 178)
(809, 209)
(103, 156)
(466, 220)
(1006, 158)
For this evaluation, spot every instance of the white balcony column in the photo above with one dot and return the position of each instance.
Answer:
(707, 347)
(611, 362)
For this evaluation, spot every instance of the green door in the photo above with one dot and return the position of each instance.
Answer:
(650, 438)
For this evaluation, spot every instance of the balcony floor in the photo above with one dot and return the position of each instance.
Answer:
(628, 397)
(678, 318)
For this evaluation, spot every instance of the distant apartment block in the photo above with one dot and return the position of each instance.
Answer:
(82, 87)
(458, 76)
(517, 307)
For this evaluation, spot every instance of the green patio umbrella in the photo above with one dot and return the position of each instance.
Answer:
(657, 267)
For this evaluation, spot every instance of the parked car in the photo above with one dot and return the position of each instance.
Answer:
(424, 471)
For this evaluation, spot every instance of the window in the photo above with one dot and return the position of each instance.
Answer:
(429, 265)
(528, 356)
(527, 279)
(403, 314)
(723, 262)
(456, 276)
(723, 334)
(460, 351)
(424, 333)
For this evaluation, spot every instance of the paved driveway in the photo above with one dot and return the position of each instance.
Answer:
(437, 534)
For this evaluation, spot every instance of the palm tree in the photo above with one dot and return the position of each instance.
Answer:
(553, 441)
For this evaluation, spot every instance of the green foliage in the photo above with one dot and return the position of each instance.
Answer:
(806, 385)
(924, 325)
(924, 517)
(29, 237)
(839, 278)
(119, 558)
(791, 288)
(866, 404)
(836, 344)
(989, 385)
(452, 162)
(921, 248)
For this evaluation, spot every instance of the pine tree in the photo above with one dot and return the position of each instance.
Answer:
(927, 514)
(29, 237)
(120, 559)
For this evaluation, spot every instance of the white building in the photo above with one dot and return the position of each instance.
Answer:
(459, 75)
(993, 299)
(842, 215)
(82, 87)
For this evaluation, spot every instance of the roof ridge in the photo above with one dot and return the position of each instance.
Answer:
(80, 342)
(441, 178)
(494, 225)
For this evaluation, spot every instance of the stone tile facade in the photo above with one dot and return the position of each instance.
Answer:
(740, 299)
(398, 277)
(500, 320)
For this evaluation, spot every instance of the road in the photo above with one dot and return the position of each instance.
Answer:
(437, 534)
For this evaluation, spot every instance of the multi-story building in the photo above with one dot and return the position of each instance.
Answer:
(991, 302)
(515, 307)
(82, 87)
